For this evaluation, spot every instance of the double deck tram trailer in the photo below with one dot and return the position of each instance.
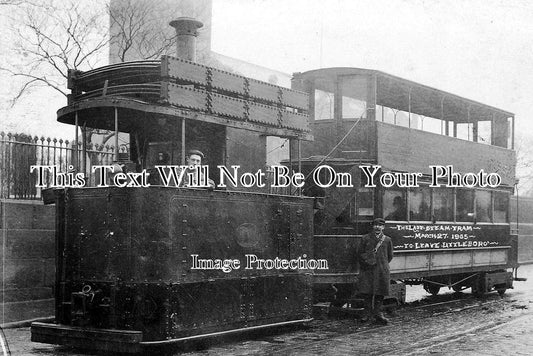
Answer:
(457, 237)
(126, 279)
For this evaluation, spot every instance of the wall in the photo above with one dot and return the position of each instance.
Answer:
(27, 231)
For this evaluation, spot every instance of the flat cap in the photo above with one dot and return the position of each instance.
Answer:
(378, 221)
(195, 152)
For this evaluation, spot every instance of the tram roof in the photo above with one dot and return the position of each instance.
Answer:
(395, 92)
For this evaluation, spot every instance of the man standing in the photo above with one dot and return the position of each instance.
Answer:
(374, 254)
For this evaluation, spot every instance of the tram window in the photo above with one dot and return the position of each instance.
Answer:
(340, 205)
(430, 124)
(465, 205)
(385, 114)
(394, 205)
(443, 204)
(324, 102)
(484, 132)
(353, 108)
(501, 202)
(353, 97)
(401, 118)
(365, 206)
(465, 131)
(483, 206)
(419, 204)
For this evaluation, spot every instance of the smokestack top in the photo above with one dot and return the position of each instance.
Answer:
(186, 33)
(186, 26)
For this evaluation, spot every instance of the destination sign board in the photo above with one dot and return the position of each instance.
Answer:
(415, 236)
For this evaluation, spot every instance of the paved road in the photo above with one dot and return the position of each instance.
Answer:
(467, 326)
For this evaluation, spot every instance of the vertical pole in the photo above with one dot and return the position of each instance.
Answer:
(446, 122)
(512, 134)
(183, 141)
(299, 161)
(468, 123)
(116, 134)
(337, 108)
(75, 152)
(410, 107)
(492, 137)
(291, 144)
(517, 212)
(475, 129)
(84, 148)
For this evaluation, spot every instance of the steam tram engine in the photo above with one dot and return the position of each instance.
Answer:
(446, 231)
(126, 274)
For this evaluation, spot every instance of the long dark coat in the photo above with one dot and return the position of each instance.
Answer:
(375, 279)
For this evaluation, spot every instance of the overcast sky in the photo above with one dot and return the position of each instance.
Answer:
(481, 50)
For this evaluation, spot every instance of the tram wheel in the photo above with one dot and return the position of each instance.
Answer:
(501, 288)
(337, 303)
(431, 288)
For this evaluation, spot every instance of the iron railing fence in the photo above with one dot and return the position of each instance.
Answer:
(18, 152)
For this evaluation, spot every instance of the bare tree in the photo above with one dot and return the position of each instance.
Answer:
(52, 37)
(136, 33)
(524, 164)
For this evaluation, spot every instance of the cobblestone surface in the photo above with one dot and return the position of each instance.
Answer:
(466, 326)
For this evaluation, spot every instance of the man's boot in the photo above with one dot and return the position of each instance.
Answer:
(378, 314)
(367, 312)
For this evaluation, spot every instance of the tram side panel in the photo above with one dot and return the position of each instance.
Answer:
(523, 225)
(125, 262)
(424, 250)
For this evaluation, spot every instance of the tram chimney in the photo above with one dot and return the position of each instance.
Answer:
(186, 33)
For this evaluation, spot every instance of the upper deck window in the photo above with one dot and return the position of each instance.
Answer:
(324, 103)
(354, 101)
(484, 133)
(465, 131)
